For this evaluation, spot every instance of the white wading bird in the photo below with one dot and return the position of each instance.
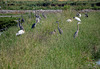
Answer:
(20, 32)
(78, 14)
(69, 20)
(78, 19)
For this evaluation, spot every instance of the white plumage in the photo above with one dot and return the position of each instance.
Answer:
(20, 32)
(69, 20)
(78, 22)
(80, 15)
(78, 19)
(37, 20)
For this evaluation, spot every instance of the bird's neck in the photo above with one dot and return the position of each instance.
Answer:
(77, 27)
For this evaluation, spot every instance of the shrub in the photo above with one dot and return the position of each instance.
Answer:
(66, 7)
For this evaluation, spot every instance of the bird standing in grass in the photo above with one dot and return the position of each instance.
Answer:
(69, 20)
(78, 14)
(59, 29)
(76, 33)
(34, 25)
(44, 15)
(86, 15)
(78, 19)
(20, 26)
(21, 31)
(38, 18)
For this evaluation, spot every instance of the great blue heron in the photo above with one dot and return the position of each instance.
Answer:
(59, 29)
(22, 20)
(76, 18)
(21, 31)
(44, 15)
(76, 33)
(20, 26)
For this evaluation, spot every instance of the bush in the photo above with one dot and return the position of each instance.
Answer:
(66, 7)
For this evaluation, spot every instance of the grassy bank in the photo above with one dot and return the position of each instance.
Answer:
(37, 49)
(32, 5)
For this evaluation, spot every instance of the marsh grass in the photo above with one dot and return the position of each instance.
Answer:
(37, 49)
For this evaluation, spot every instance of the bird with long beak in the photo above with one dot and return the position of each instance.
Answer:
(69, 20)
(78, 19)
(76, 33)
(78, 14)
(21, 31)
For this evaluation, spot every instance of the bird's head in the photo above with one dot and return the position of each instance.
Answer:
(73, 17)
(78, 22)
(57, 21)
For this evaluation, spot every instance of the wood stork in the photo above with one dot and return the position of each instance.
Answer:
(86, 15)
(78, 19)
(78, 14)
(34, 25)
(37, 20)
(69, 20)
(20, 32)
(53, 32)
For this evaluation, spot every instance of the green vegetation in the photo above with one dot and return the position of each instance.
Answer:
(6, 22)
(37, 49)
(32, 5)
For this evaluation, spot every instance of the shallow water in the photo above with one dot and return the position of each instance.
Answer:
(98, 62)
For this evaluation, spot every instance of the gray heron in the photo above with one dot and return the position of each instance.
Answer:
(76, 33)
(59, 29)
(44, 15)
(20, 26)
